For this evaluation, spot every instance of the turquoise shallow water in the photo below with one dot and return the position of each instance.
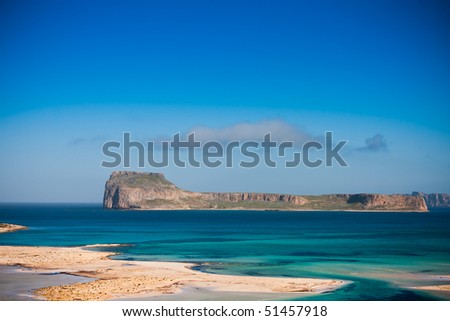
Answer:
(383, 254)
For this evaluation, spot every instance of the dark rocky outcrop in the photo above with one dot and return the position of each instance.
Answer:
(134, 190)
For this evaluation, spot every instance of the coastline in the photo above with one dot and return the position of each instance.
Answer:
(121, 279)
(266, 210)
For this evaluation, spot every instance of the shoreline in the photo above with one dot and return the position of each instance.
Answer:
(264, 210)
(121, 279)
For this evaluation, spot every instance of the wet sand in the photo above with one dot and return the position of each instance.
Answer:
(120, 279)
(190, 293)
(19, 283)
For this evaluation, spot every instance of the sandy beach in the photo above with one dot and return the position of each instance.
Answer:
(115, 279)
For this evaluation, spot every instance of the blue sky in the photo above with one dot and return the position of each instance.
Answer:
(75, 74)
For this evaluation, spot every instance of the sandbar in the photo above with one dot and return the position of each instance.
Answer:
(121, 279)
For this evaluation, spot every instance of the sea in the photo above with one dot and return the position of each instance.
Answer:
(383, 255)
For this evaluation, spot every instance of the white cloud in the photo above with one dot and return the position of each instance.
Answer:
(279, 130)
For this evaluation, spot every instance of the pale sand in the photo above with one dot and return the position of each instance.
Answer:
(5, 227)
(442, 287)
(120, 279)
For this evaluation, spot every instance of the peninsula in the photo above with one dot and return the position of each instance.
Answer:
(136, 190)
(6, 227)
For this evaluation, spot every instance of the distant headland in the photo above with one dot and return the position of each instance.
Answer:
(136, 190)
(6, 227)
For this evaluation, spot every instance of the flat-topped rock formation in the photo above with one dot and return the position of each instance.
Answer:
(153, 190)
(135, 190)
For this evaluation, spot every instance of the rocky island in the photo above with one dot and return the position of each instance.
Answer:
(136, 190)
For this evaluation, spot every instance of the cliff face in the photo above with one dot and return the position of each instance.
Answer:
(435, 200)
(134, 190)
(254, 197)
(393, 202)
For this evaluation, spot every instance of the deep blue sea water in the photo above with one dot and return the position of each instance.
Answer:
(383, 254)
